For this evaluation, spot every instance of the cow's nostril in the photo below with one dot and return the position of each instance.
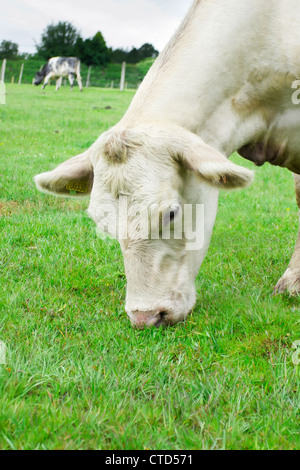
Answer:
(161, 318)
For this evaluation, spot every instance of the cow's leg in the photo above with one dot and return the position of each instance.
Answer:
(71, 80)
(58, 83)
(290, 281)
(78, 78)
(46, 81)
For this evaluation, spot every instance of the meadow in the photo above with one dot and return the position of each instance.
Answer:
(76, 375)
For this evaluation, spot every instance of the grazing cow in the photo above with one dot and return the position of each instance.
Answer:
(223, 83)
(57, 68)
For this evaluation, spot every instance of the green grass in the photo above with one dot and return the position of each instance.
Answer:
(77, 376)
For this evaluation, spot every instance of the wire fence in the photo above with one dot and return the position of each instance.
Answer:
(112, 76)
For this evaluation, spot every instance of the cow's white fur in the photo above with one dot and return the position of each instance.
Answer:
(223, 82)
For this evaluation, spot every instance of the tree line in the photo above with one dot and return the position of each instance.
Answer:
(63, 39)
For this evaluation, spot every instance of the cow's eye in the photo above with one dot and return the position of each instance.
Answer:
(172, 213)
(169, 215)
(172, 216)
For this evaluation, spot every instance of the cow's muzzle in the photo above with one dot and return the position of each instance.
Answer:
(155, 318)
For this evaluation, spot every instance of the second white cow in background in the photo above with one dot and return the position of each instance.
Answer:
(57, 68)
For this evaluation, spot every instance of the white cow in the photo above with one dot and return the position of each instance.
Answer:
(57, 68)
(223, 83)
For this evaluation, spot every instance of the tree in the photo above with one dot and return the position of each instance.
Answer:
(147, 51)
(58, 40)
(93, 51)
(9, 50)
(119, 55)
(144, 66)
(79, 48)
(100, 49)
(134, 56)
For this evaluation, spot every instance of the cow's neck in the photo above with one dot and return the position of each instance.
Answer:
(208, 78)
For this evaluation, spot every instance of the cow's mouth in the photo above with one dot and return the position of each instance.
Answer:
(141, 320)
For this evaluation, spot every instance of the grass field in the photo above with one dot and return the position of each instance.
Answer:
(76, 375)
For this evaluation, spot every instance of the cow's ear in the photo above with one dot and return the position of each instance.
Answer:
(72, 178)
(210, 164)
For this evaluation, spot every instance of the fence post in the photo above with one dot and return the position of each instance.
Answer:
(3, 71)
(2, 101)
(21, 73)
(88, 77)
(123, 72)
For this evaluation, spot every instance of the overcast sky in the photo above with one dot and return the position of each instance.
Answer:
(123, 23)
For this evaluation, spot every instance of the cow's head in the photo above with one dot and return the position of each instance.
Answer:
(156, 191)
(40, 75)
